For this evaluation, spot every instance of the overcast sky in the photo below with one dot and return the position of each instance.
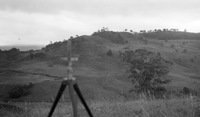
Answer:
(42, 21)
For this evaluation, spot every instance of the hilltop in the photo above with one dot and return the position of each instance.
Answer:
(99, 74)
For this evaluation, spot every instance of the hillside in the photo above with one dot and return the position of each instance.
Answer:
(172, 35)
(99, 75)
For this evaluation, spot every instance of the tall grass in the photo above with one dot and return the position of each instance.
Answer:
(174, 107)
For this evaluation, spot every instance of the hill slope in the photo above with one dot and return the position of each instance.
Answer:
(99, 75)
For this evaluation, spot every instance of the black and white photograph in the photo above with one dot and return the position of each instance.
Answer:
(99, 58)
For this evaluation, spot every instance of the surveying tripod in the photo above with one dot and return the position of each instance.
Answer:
(72, 85)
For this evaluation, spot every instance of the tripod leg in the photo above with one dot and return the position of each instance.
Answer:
(82, 99)
(62, 88)
(73, 99)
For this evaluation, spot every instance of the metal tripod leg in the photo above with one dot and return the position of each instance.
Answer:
(60, 92)
(82, 99)
(73, 99)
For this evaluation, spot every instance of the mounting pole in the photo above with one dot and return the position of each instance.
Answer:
(72, 85)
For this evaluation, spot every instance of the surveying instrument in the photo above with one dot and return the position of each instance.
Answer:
(70, 81)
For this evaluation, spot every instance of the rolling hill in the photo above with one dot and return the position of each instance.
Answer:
(99, 75)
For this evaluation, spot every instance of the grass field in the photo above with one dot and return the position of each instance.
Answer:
(175, 107)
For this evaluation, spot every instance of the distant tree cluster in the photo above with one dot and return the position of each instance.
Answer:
(11, 54)
(103, 29)
(160, 30)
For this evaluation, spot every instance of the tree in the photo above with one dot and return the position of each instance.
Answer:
(146, 69)
(12, 54)
(142, 31)
(185, 30)
(109, 53)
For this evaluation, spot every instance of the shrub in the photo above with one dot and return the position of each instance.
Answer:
(192, 60)
(172, 46)
(145, 41)
(185, 51)
(186, 90)
(12, 54)
(109, 53)
(141, 37)
(19, 91)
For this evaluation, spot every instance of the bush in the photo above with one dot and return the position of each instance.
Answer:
(172, 46)
(145, 41)
(19, 91)
(185, 51)
(186, 90)
(12, 54)
(109, 53)
(192, 60)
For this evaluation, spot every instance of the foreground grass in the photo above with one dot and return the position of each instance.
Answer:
(184, 107)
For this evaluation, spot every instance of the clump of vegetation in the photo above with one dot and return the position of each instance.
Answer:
(19, 91)
(53, 46)
(38, 55)
(172, 46)
(161, 44)
(9, 57)
(109, 53)
(188, 91)
(185, 51)
(145, 41)
(12, 54)
(146, 70)
(192, 60)
(141, 37)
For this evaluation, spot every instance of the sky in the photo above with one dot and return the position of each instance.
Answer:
(44, 21)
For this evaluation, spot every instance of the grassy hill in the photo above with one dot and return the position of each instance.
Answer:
(99, 75)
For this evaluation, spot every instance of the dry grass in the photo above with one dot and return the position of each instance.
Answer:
(177, 107)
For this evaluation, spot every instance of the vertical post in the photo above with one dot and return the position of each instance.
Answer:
(69, 63)
(71, 79)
